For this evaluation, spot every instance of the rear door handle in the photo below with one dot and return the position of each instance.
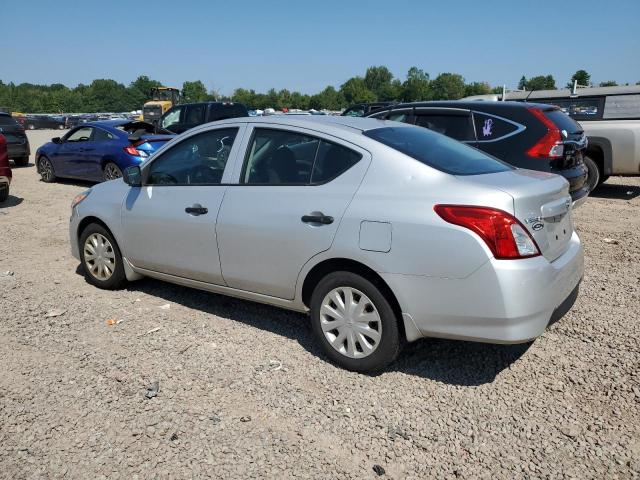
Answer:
(317, 217)
(196, 209)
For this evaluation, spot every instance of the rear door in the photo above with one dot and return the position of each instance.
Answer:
(293, 190)
(452, 122)
(170, 222)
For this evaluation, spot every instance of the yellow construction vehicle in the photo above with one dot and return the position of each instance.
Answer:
(162, 99)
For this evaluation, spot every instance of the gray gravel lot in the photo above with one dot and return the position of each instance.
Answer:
(245, 393)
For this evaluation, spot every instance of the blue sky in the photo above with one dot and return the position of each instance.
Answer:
(304, 46)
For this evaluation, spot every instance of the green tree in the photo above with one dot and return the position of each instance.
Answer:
(329, 98)
(448, 86)
(582, 76)
(609, 83)
(378, 80)
(522, 84)
(416, 86)
(477, 88)
(194, 91)
(541, 82)
(355, 90)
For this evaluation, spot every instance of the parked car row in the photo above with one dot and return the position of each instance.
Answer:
(381, 230)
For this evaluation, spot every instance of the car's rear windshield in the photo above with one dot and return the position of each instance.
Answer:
(438, 151)
(563, 121)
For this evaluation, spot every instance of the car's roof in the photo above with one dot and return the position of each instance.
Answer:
(468, 105)
(329, 122)
(107, 123)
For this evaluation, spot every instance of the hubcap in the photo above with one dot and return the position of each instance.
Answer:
(350, 322)
(99, 257)
(112, 172)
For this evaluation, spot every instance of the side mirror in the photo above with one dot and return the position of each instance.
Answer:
(132, 176)
(56, 140)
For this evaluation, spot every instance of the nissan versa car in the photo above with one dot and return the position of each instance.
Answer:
(526, 135)
(382, 231)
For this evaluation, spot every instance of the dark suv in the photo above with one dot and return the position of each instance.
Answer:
(17, 143)
(182, 117)
(526, 135)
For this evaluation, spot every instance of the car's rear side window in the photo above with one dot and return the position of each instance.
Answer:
(438, 151)
(454, 126)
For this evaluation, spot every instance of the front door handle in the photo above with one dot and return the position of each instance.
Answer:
(196, 209)
(317, 217)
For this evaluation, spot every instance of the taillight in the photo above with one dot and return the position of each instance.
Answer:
(502, 232)
(132, 150)
(550, 145)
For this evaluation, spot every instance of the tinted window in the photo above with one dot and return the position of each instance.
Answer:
(622, 106)
(280, 157)
(454, 126)
(437, 151)
(331, 161)
(7, 120)
(563, 121)
(80, 135)
(194, 114)
(583, 108)
(197, 160)
(226, 111)
(489, 127)
(172, 117)
(100, 135)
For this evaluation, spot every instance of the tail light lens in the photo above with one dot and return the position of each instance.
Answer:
(503, 233)
(550, 145)
(132, 150)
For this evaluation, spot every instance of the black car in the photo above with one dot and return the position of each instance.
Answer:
(33, 122)
(182, 117)
(527, 135)
(364, 109)
(17, 143)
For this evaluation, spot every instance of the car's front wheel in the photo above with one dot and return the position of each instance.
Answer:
(101, 258)
(111, 171)
(354, 322)
(45, 167)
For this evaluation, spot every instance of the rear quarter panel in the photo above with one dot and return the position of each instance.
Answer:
(624, 137)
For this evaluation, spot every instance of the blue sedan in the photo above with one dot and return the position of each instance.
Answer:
(98, 151)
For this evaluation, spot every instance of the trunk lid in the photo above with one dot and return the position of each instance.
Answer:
(541, 202)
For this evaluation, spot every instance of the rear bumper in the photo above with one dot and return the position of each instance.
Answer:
(504, 301)
(18, 150)
(579, 196)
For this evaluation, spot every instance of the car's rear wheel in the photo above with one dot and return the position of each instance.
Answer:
(111, 171)
(4, 192)
(354, 322)
(45, 167)
(593, 173)
(21, 161)
(101, 258)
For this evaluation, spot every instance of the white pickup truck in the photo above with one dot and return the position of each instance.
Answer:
(610, 117)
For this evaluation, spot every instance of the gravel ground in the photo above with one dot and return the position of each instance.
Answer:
(245, 393)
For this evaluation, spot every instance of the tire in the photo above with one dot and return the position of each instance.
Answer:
(4, 193)
(31, 127)
(45, 168)
(384, 325)
(111, 171)
(97, 241)
(21, 161)
(593, 173)
(60, 127)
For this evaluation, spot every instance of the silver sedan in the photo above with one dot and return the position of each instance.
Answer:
(381, 231)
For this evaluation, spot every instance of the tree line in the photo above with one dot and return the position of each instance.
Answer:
(377, 84)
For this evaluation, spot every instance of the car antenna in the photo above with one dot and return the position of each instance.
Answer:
(530, 92)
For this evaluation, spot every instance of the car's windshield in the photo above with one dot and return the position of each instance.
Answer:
(438, 151)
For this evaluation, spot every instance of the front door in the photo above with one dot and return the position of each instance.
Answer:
(65, 160)
(170, 222)
(293, 190)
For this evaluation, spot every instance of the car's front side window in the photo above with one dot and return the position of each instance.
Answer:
(197, 160)
(171, 118)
